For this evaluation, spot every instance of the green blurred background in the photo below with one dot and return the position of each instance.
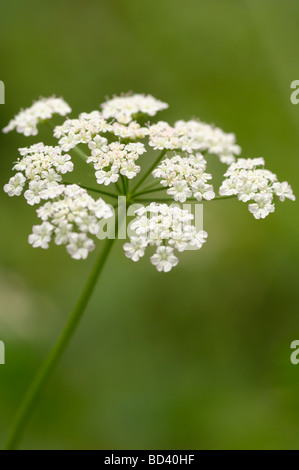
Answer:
(198, 358)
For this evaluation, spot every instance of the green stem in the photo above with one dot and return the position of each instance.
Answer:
(153, 200)
(117, 188)
(147, 191)
(217, 198)
(149, 171)
(151, 185)
(32, 395)
(123, 184)
(100, 191)
(79, 152)
(188, 200)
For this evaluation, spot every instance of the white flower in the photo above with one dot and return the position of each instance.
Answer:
(83, 130)
(204, 191)
(41, 235)
(63, 232)
(45, 212)
(63, 163)
(114, 159)
(50, 176)
(180, 191)
(228, 188)
(123, 108)
(129, 169)
(164, 259)
(27, 120)
(33, 194)
(107, 177)
(113, 137)
(137, 147)
(79, 246)
(131, 131)
(15, 185)
(194, 135)
(97, 143)
(283, 191)
(262, 207)
(52, 191)
(185, 177)
(200, 238)
(136, 248)
(167, 228)
(249, 182)
(246, 191)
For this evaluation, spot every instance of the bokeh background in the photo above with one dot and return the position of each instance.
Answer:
(198, 358)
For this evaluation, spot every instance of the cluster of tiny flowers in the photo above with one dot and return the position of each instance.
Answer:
(250, 181)
(168, 229)
(82, 130)
(69, 219)
(125, 108)
(132, 131)
(41, 167)
(113, 136)
(114, 159)
(27, 120)
(185, 177)
(194, 135)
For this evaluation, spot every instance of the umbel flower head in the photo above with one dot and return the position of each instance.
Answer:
(116, 140)
(168, 229)
(27, 120)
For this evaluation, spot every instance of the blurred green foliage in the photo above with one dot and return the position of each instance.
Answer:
(198, 358)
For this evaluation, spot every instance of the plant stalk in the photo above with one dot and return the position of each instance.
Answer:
(36, 387)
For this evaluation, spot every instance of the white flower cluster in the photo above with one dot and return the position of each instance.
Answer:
(250, 181)
(69, 219)
(132, 131)
(82, 130)
(194, 135)
(185, 177)
(113, 136)
(125, 108)
(41, 166)
(167, 228)
(114, 159)
(27, 120)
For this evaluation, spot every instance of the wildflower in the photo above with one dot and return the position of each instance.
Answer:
(194, 135)
(15, 185)
(81, 131)
(71, 214)
(166, 227)
(79, 246)
(41, 235)
(164, 259)
(136, 248)
(27, 120)
(114, 159)
(124, 108)
(185, 176)
(283, 191)
(33, 194)
(132, 131)
(41, 167)
(250, 181)
(115, 140)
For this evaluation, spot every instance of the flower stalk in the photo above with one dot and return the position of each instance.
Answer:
(30, 400)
